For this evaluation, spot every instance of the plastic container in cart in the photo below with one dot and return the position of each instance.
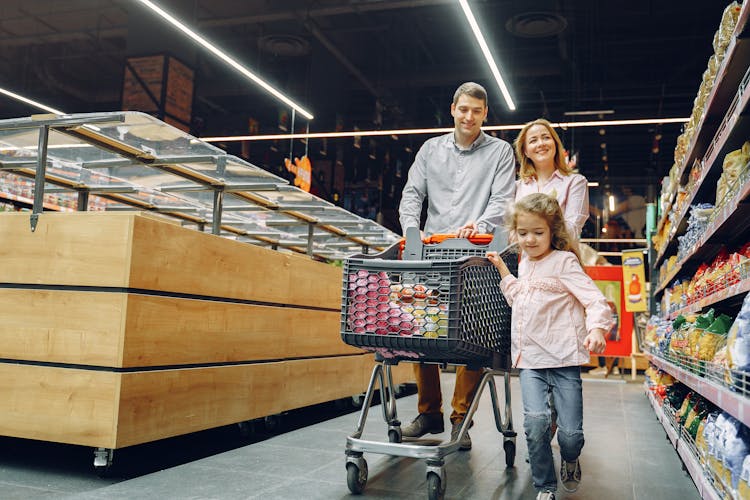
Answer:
(432, 301)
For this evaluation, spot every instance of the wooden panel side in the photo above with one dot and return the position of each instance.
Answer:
(176, 259)
(402, 373)
(159, 404)
(61, 326)
(70, 248)
(58, 404)
(168, 331)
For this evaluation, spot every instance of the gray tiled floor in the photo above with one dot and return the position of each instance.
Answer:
(626, 457)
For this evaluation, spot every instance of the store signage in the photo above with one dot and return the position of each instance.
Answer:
(609, 280)
(634, 278)
(302, 170)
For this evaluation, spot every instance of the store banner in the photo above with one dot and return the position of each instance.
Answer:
(609, 280)
(302, 170)
(634, 278)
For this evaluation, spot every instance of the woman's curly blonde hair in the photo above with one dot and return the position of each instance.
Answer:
(547, 208)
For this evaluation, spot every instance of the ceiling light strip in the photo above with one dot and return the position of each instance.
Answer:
(226, 58)
(30, 101)
(416, 131)
(487, 55)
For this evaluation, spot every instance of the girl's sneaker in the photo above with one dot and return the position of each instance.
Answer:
(545, 495)
(570, 475)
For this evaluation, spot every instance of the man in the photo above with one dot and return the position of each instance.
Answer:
(468, 178)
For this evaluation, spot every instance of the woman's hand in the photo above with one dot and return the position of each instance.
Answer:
(595, 341)
(468, 230)
(498, 263)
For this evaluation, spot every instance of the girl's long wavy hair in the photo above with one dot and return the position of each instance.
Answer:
(527, 170)
(547, 208)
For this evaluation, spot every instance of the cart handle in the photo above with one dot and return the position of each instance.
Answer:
(479, 239)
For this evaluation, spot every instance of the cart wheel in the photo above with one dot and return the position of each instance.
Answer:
(510, 453)
(435, 487)
(358, 400)
(394, 436)
(272, 422)
(356, 478)
(245, 428)
(103, 458)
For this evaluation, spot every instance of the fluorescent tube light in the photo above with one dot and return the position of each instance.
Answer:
(593, 112)
(30, 101)
(226, 58)
(611, 203)
(487, 55)
(416, 131)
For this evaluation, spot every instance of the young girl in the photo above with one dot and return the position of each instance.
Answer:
(559, 315)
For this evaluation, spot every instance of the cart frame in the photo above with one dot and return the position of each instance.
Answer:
(356, 465)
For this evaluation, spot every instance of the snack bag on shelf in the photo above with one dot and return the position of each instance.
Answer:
(714, 337)
(738, 348)
(716, 459)
(743, 488)
(705, 429)
(736, 448)
(678, 342)
(686, 408)
(702, 322)
(726, 27)
(676, 394)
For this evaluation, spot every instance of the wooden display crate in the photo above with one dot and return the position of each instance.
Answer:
(123, 328)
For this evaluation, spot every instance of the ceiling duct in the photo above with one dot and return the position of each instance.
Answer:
(284, 45)
(536, 24)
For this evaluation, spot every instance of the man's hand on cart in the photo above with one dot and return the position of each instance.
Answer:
(498, 262)
(595, 341)
(467, 230)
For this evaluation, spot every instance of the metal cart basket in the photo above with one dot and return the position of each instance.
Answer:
(440, 303)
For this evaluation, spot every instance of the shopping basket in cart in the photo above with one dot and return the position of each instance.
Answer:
(440, 302)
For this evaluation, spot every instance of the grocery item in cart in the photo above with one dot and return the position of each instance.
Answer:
(441, 304)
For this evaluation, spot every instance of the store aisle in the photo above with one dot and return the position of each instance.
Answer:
(626, 456)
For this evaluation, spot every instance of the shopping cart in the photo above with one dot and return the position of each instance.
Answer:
(439, 302)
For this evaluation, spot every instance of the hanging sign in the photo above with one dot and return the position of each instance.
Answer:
(302, 170)
(634, 277)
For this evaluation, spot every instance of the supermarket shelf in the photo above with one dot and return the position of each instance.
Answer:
(725, 221)
(692, 464)
(661, 416)
(728, 292)
(731, 134)
(14, 198)
(735, 404)
(728, 77)
(695, 469)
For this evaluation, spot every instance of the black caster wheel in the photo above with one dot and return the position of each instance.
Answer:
(510, 453)
(103, 458)
(272, 423)
(358, 400)
(245, 429)
(435, 487)
(394, 436)
(356, 478)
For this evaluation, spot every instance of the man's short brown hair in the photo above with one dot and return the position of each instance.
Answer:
(472, 90)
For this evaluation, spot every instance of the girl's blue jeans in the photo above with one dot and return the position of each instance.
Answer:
(565, 384)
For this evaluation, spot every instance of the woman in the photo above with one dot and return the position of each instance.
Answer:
(544, 169)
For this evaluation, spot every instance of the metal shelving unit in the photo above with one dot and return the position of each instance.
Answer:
(723, 128)
(135, 161)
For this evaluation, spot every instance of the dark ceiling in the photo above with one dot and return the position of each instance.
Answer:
(383, 64)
